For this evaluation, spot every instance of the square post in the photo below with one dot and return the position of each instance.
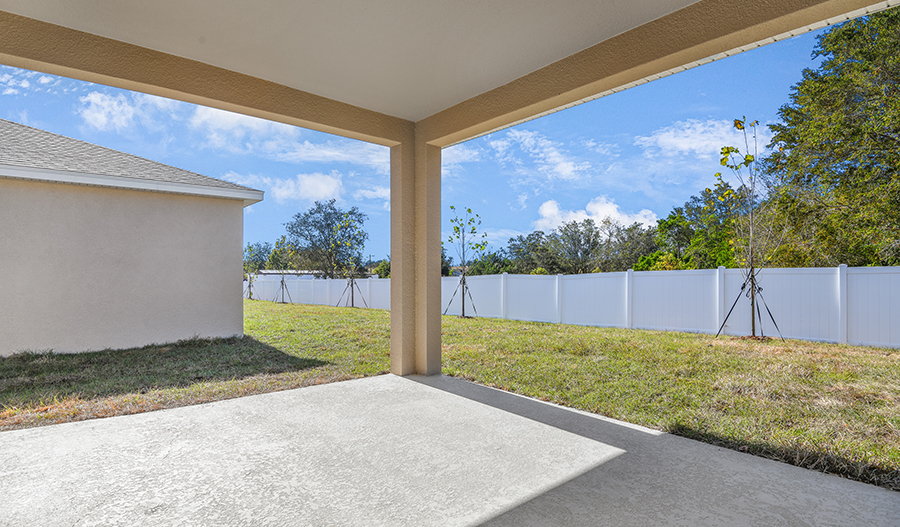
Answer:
(415, 258)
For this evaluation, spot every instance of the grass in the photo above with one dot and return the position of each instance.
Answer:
(822, 406)
(283, 348)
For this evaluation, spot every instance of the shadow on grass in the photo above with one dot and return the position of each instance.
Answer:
(29, 379)
(822, 461)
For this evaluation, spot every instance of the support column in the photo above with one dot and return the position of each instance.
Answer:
(415, 258)
(428, 259)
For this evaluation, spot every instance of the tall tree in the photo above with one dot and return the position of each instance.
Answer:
(577, 245)
(331, 239)
(837, 148)
(532, 252)
(625, 246)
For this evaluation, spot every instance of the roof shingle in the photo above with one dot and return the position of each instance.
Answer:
(24, 146)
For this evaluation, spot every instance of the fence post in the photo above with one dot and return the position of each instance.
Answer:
(629, 298)
(328, 291)
(720, 297)
(503, 295)
(842, 304)
(559, 299)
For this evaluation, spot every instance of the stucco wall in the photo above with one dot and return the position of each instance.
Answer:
(87, 268)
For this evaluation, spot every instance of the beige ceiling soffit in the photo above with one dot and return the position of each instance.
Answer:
(700, 32)
(248, 196)
(36, 45)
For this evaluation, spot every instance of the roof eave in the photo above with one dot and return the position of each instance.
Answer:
(248, 196)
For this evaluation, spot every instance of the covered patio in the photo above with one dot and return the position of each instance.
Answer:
(413, 448)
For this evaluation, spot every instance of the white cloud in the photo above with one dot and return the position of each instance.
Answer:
(548, 156)
(5, 78)
(371, 155)
(45, 79)
(702, 139)
(158, 103)
(312, 187)
(236, 132)
(106, 112)
(452, 158)
(309, 187)
(597, 209)
(250, 180)
(606, 149)
(24, 84)
(522, 199)
(10, 91)
(239, 133)
(500, 237)
(375, 193)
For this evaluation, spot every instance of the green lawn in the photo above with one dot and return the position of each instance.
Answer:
(822, 406)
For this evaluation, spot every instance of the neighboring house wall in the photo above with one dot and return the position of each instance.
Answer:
(87, 268)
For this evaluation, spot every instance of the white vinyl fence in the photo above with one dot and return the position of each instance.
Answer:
(859, 305)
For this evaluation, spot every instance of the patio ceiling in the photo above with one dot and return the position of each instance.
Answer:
(406, 58)
(411, 59)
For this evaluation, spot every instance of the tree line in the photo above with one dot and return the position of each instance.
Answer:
(827, 194)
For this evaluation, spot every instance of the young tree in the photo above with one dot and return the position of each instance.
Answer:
(282, 257)
(469, 243)
(755, 236)
(331, 238)
(255, 256)
(347, 233)
(836, 148)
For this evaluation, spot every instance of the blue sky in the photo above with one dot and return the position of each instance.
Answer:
(632, 156)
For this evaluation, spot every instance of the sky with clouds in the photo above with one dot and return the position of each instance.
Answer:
(631, 156)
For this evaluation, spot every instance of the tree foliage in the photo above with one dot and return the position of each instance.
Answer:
(255, 256)
(330, 238)
(531, 252)
(700, 234)
(283, 256)
(837, 149)
(494, 262)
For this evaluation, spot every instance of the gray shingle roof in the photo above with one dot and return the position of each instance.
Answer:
(24, 146)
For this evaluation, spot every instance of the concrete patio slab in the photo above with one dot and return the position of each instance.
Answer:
(403, 451)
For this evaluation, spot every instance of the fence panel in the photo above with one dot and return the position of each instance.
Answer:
(485, 291)
(531, 297)
(873, 306)
(804, 302)
(594, 299)
(380, 297)
(676, 300)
